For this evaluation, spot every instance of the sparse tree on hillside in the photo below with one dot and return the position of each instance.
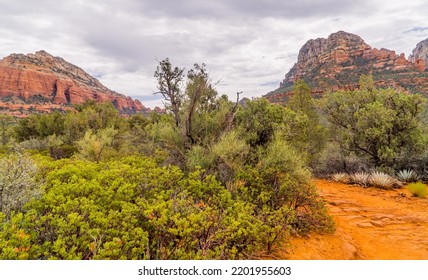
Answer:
(5, 124)
(259, 120)
(93, 145)
(302, 101)
(367, 83)
(169, 81)
(200, 94)
(194, 110)
(307, 133)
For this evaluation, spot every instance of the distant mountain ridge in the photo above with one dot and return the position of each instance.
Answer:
(41, 82)
(337, 62)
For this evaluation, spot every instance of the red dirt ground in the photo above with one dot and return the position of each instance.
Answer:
(371, 224)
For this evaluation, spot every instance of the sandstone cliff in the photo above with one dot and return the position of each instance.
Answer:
(420, 55)
(336, 63)
(41, 83)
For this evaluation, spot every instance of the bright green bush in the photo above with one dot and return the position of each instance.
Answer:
(225, 182)
(380, 125)
(417, 189)
(279, 188)
(132, 209)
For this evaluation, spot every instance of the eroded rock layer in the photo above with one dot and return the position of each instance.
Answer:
(336, 63)
(41, 82)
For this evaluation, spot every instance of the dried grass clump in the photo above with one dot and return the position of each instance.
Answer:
(382, 180)
(341, 178)
(407, 175)
(361, 178)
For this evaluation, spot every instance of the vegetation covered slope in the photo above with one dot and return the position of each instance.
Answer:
(211, 179)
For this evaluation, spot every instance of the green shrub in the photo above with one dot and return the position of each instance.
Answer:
(417, 189)
(280, 190)
(334, 160)
(17, 182)
(134, 209)
(382, 126)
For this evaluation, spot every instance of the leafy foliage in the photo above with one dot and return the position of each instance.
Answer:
(279, 185)
(210, 179)
(169, 80)
(133, 209)
(17, 182)
(5, 129)
(260, 119)
(381, 125)
(417, 189)
(93, 146)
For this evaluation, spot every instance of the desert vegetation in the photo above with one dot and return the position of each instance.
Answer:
(417, 189)
(211, 178)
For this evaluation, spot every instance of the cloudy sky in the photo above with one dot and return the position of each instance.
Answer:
(248, 45)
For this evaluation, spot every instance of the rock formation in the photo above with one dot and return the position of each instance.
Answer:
(41, 83)
(420, 55)
(336, 63)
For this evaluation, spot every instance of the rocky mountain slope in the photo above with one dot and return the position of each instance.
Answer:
(41, 82)
(420, 55)
(337, 63)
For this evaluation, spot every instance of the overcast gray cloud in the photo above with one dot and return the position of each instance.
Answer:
(248, 45)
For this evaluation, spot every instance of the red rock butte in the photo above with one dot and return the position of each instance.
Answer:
(41, 82)
(336, 63)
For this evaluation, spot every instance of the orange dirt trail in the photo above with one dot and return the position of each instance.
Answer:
(371, 224)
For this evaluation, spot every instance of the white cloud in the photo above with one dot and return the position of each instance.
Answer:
(247, 44)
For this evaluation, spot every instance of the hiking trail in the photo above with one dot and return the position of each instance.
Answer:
(371, 224)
